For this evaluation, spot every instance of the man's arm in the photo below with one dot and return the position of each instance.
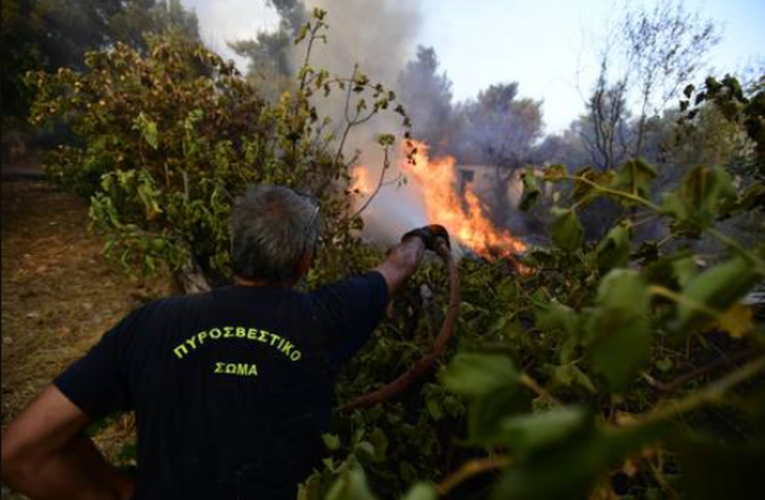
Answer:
(401, 263)
(46, 455)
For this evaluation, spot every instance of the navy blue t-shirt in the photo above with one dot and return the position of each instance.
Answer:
(232, 388)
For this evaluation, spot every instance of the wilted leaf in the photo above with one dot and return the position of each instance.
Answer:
(737, 320)
(554, 172)
(716, 289)
(583, 189)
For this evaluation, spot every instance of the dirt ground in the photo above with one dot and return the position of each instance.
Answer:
(59, 295)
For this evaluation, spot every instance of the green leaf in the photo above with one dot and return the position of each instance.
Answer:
(331, 441)
(531, 433)
(570, 376)
(614, 250)
(380, 442)
(567, 231)
(618, 331)
(352, 485)
(554, 172)
(148, 130)
(421, 491)
(673, 271)
(584, 191)
(570, 464)
(718, 289)
(706, 192)
(557, 317)
(634, 177)
(487, 413)
(531, 190)
(474, 375)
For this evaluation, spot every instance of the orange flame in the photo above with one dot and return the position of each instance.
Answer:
(360, 181)
(466, 222)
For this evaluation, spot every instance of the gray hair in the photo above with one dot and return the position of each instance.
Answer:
(272, 229)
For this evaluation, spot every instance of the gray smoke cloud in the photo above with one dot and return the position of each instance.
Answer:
(380, 36)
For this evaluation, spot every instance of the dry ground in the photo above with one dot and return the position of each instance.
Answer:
(59, 295)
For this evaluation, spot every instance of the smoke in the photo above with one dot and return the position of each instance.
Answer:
(380, 36)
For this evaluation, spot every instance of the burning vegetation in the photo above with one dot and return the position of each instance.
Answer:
(465, 215)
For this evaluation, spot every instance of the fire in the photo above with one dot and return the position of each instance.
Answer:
(466, 221)
(360, 181)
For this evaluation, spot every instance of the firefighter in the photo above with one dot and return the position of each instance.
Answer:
(231, 389)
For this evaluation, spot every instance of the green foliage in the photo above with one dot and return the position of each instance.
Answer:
(586, 370)
(166, 140)
(618, 330)
(735, 105)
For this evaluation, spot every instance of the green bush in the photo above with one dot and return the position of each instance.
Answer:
(163, 143)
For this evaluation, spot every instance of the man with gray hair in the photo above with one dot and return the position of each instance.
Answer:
(232, 388)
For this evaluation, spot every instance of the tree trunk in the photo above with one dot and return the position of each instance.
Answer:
(190, 278)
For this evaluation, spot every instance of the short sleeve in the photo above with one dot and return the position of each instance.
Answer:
(352, 309)
(97, 383)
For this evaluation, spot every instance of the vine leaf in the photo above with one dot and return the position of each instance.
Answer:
(567, 231)
(614, 250)
(531, 190)
(716, 289)
(564, 454)
(584, 191)
(421, 491)
(737, 320)
(475, 375)
(532, 433)
(706, 192)
(618, 331)
(634, 177)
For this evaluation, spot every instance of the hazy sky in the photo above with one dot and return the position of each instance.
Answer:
(548, 46)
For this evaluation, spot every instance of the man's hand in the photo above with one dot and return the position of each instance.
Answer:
(404, 260)
(429, 235)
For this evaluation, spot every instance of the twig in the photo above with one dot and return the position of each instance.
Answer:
(759, 263)
(386, 166)
(613, 192)
(682, 299)
(709, 395)
(470, 469)
(703, 370)
(539, 390)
